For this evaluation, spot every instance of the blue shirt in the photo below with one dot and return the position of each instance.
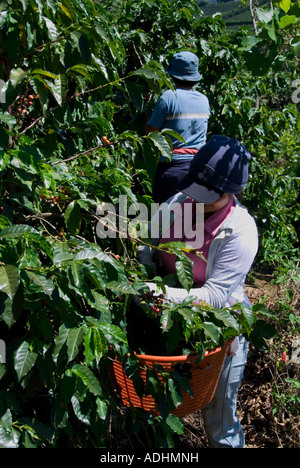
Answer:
(185, 111)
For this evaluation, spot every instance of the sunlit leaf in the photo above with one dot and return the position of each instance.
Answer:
(9, 279)
(24, 359)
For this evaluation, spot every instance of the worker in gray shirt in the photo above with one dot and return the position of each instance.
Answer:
(228, 244)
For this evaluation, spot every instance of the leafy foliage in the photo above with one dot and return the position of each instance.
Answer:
(81, 79)
(167, 328)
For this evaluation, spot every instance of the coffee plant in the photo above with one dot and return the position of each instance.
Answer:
(78, 81)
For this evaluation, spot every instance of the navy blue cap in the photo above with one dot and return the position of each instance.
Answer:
(184, 66)
(220, 166)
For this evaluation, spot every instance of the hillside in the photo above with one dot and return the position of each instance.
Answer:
(234, 14)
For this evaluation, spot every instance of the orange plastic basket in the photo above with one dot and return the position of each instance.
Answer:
(204, 378)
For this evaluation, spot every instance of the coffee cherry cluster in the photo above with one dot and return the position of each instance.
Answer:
(154, 302)
(24, 103)
(106, 141)
(54, 199)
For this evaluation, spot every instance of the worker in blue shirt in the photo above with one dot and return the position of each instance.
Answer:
(186, 111)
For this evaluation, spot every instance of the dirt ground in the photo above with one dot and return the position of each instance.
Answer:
(265, 403)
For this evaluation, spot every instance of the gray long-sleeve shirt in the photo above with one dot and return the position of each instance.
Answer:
(230, 258)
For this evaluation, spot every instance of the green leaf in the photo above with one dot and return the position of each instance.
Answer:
(30, 259)
(92, 252)
(187, 314)
(96, 273)
(166, 320)
(172, 133)
(38, 431)
(5, 158)
(285, 5)
(248, 316)
(163, 146)
(88, 378)
(272, 33)
(295, 43)
(42, 92)
(24, 360)
(7, 119)
(95, 345)
(3, 141)
(77, 274)
(45, 325)
(153, 383)
(113, 334)
(265, 16)
(47, 175)
(59, 88)
(264, 329)
(287, 20)
(73, 218)
(227, 318)
(39, 71)
(145, 72)
(53, 33)
(81, 411)
(295, 382)
(102, 409)
(9, 280)
(250, 41)
(4, 222)
(184, 270)
(175, 424)
(135, 93)
(17, 75)
(9, 437)
(261, 309)
(13, 308)
(2, 370)
(69, 12)
(61, 253)
(159, 69)
(212, 331)
(97, 301)
(17, 230)
(46, 284)
(60, 341)
(74, 340)
(123, 288)
(82, 70)
(173, 338)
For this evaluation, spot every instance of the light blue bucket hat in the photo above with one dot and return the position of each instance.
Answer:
(184, 66)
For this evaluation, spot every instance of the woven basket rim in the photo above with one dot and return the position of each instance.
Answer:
(180, 358)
